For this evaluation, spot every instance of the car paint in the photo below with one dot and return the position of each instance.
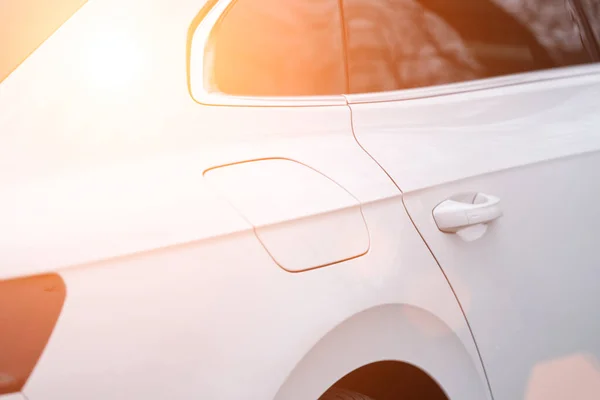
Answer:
(303, 219)
(529, 284)
(12, 396)
(169, 291)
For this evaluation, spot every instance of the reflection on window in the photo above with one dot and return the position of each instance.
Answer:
(592, 11)
(400, 44)
(277, 48)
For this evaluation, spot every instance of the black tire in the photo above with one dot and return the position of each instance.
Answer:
(343, 394)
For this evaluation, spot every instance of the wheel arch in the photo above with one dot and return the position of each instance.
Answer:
(390, 332)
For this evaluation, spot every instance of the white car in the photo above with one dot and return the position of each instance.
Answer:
(299, 200)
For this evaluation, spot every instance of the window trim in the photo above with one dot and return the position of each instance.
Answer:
(197, 42)
(477, 84)
(205, 21)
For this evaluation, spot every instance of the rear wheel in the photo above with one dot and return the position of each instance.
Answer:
(385, 380)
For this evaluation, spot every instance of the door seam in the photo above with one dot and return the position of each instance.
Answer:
(428, 248)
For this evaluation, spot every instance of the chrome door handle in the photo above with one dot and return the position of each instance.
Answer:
(466, 210)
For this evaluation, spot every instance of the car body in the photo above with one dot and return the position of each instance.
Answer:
(162, 239)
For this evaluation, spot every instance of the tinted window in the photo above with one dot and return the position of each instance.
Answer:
(399, 44)
(277, 48)
(592, 11)
(25, 24)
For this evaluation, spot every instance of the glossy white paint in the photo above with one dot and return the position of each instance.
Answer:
(226, 322)
(389, 331)
(316, 241)
(466, 210)
(94, 214)
(169, 292)
(530, 285)
(438, 139)
(12, 396)
(302, 218)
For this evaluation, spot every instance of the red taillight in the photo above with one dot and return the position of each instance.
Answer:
(29, 309)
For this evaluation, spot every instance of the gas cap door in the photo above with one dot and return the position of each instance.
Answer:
(303, 219)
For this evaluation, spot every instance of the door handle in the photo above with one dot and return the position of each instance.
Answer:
(465, 210)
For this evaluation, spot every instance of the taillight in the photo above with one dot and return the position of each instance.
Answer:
(29, 309)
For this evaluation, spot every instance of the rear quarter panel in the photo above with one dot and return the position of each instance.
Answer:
(169, 293)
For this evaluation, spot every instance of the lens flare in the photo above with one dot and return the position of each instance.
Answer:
(112, 61)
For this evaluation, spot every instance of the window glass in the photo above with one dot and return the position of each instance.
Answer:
(25, 24)
(592, 11)
(277, 48)
(400, 44)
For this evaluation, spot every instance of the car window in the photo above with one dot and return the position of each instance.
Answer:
(400, 44)
(277, 48)
(592, 11)
(25, 24)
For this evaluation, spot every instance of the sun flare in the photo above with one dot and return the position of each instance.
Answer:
(112, 61)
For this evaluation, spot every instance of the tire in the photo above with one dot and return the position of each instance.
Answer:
(343, 394)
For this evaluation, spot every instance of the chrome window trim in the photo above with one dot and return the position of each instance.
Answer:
(475, 85)
(198, 85)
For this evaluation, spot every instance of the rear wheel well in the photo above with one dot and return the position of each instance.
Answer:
(391, 380)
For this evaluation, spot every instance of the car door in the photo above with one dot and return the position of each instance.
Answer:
(485, 114)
